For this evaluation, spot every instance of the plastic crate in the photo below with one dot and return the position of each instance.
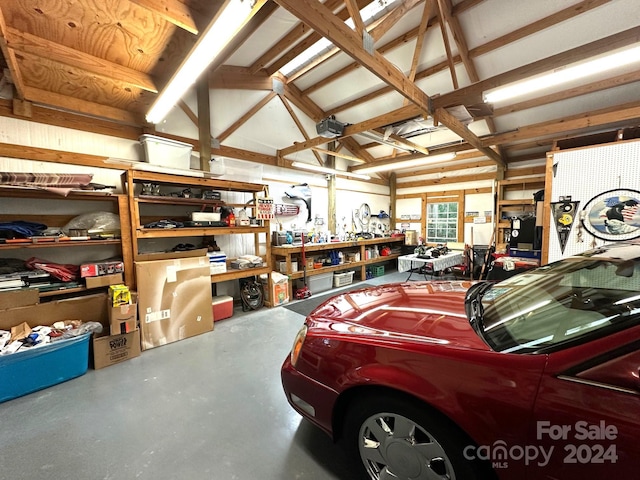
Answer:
(342, 279)
(377, 270)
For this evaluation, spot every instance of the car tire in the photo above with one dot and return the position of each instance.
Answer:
(393, 437)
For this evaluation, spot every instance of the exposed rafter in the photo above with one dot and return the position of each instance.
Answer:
(10, 57)
(25, 43)
(248, 114)
(91, 109)
(173, 11)
(553, 128)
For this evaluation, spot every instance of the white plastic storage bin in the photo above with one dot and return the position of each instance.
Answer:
(342, 279)
(319, 283)
(165, 152)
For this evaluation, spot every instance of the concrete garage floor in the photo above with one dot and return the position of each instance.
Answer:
(208, 407)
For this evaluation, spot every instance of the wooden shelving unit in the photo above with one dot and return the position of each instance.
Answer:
(41, 213)
(521, 206)
(288, 253)
(132, 179)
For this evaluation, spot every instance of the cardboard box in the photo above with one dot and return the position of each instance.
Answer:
(123, 319)
(19, 298)
(217, 268)
(276, 293)
(111, 349)
(96, 269)
(104, 280)
(222, 307)
(147, 257)
(174, 300)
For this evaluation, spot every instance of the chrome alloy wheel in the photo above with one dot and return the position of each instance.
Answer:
(395, 447)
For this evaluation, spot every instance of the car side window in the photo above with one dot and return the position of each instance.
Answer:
(619, 372)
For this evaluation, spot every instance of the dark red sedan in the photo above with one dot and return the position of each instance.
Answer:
(535, 377)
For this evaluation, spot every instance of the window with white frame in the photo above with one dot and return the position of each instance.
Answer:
(442, 222)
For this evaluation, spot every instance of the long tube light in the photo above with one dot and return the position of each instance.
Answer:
(330, 171)
(414, 162)
(564, 75)
(231, 19)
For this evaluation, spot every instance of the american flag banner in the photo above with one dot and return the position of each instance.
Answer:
(629, 212)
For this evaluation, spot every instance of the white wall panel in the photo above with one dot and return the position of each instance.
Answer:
(585, 173)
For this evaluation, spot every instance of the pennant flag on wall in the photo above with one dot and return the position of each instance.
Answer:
(564, 214)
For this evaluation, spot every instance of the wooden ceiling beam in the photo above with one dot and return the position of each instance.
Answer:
(448, 180)
(59, 118)
(304, 103)
(444, 117)
(377, 32)
(26, 43)
(393, 17)
(295, 34)
(337, 154)
(247, 115)
(10, 57)
(316, 15)
(396, 42)
(553, 128)
(447, 46)
(523, 32)
(73, 104)
(312, 38)
(355, 148)
(239, 78)
(301, 128)
(446, 167)
(473, 93)
(172, 11)
(537, 26)
(25, 152)
(188, 112)
(399, 115)
(354, 13)
(240, 154)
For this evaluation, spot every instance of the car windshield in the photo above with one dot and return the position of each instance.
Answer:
(560, 304)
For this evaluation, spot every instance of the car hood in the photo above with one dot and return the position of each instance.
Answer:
(421, 312)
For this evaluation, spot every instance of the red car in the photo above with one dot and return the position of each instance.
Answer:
(535, 377)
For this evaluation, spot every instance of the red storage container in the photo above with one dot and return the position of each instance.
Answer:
(222, 306)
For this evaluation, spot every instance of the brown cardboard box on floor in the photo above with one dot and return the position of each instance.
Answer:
(112, 349)
(174, 300)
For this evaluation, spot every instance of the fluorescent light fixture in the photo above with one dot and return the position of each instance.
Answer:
(330, 171)
(230, 20)
(564, 75)
(414, 162)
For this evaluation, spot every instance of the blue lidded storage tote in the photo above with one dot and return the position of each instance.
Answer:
(41, 367)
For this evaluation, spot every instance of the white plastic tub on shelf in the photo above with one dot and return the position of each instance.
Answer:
(166, 152)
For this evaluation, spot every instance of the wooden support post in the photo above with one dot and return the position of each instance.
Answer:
(204, 122)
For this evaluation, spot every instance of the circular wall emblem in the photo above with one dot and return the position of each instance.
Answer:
(613, 215)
